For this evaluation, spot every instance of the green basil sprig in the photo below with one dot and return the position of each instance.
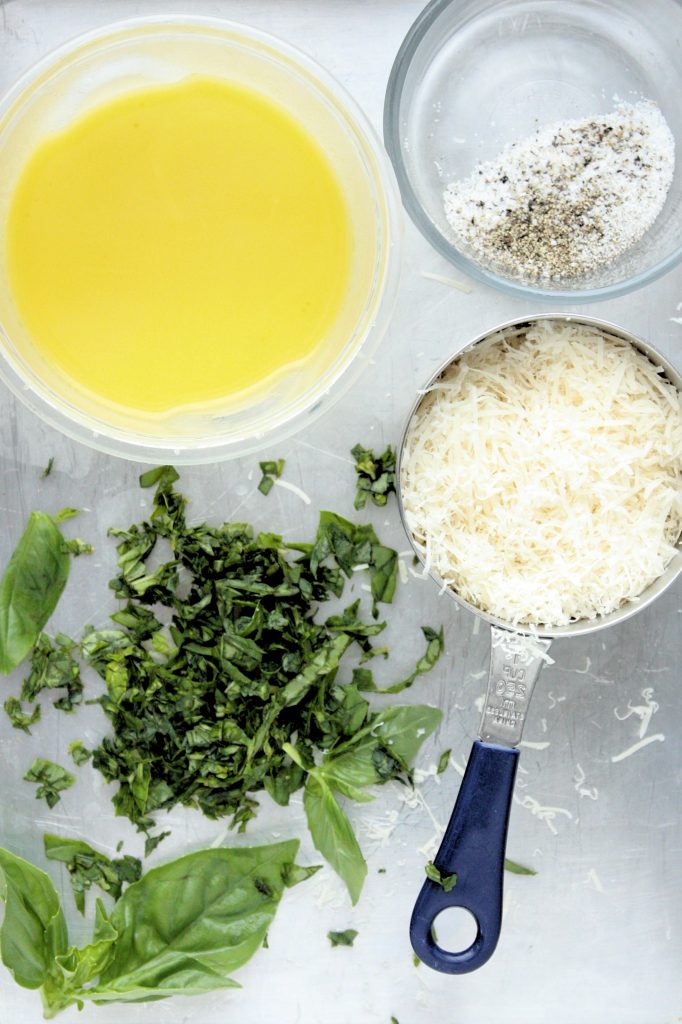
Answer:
(182, 929)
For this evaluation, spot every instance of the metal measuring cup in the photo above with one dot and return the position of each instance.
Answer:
(473, 846)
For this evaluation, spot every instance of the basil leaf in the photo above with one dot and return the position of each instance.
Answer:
(30, 588)
(48, 468)
(52, 779)
(184, 926)
(345, 938)
(333, 835)
(443, 761)
(33, 930)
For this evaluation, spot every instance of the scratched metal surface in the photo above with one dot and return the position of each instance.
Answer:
(596, 936)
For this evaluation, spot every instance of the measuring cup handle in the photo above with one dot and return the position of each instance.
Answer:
(473, 848)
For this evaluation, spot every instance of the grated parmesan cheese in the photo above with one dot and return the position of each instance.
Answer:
(542, 474)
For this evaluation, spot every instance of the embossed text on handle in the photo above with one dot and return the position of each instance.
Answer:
(515, 663)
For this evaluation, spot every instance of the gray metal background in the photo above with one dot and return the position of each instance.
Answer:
(596, 936)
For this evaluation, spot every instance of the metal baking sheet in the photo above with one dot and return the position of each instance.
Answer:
(596, 936)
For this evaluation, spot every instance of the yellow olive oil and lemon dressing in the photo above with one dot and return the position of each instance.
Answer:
(178, 246)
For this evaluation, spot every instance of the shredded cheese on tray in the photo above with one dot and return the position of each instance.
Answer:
(542, 474)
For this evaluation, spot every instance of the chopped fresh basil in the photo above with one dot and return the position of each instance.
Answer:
(517, 869)
(239, 692)
(52, 779)
(79, 753)
(271, 470)
(48, 468)
(443, 762)
(446, 882)
(376, 475)
(18, 717)
(435, 645)
(53, 667)
(87, 867)
(346, 938)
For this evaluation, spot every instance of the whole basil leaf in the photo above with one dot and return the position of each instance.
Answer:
(333, 834)
(30, 588)
(33, 930)
(184, 926)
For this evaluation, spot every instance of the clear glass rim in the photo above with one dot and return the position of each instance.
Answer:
(59, 413)
(416, 212)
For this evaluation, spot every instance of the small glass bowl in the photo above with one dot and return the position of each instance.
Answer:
(150, 51)
(474, 75)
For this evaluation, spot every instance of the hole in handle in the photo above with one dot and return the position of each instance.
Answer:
(455, 929)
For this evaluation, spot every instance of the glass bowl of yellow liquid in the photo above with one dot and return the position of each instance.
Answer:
(199, 239)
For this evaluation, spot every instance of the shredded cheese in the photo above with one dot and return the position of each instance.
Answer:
(542, 474)
(656, 738)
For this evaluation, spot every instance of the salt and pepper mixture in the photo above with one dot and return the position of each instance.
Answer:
(569, 199)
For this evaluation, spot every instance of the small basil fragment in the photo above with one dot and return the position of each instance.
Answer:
(375, 475)
(271, 470)
(443, 762)
(54, 667)
(435, 645)
(345, 938)
(17, 715)
(52, 780)
(87, 867)
(517, 869)
(79, 753)
(446, 882)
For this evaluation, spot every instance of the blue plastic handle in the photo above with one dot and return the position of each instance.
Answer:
(473, 847)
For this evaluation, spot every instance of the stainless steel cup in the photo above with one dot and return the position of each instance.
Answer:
(473, 846)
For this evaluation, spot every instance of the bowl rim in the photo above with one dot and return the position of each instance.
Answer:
(63, 415)
(392, 135)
